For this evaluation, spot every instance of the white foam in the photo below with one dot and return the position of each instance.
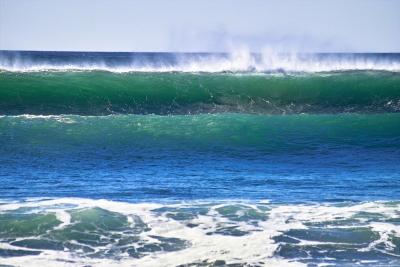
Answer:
(239, 60)
(257, 246)
(59, 118)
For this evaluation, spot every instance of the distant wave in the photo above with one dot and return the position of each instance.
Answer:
(237, 61)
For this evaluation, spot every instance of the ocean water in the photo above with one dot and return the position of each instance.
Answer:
(161, 159)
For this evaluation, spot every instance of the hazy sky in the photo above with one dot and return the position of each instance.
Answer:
(202, 25)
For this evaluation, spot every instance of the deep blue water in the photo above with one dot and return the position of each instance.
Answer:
(291, 158)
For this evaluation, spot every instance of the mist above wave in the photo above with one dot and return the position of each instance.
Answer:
(240, 60)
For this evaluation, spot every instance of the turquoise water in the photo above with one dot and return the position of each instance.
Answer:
(104, 93)
(109, 165)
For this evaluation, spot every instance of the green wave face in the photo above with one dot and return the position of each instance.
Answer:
(100, 93)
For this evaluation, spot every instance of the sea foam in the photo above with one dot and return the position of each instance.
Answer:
(201, 232)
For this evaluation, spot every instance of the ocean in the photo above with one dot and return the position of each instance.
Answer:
(199, 159)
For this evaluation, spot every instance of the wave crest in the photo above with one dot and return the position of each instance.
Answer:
(237, 61)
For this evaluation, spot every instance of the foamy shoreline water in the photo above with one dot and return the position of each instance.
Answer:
(254, 233)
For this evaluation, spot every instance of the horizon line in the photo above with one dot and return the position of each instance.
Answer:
(186, 52)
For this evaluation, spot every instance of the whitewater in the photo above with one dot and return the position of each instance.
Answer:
(240, 60)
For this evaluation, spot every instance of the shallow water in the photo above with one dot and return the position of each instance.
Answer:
(72, 232)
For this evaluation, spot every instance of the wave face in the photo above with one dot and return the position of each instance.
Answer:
(102, 93)
(75, 232)
(237, 61)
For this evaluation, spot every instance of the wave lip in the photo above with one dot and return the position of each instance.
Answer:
(237, 61)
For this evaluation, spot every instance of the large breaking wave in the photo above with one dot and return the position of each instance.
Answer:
(190, 190)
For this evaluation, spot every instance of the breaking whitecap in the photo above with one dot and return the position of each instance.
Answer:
(238, 60)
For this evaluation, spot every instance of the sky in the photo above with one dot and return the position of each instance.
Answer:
(200, 26)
